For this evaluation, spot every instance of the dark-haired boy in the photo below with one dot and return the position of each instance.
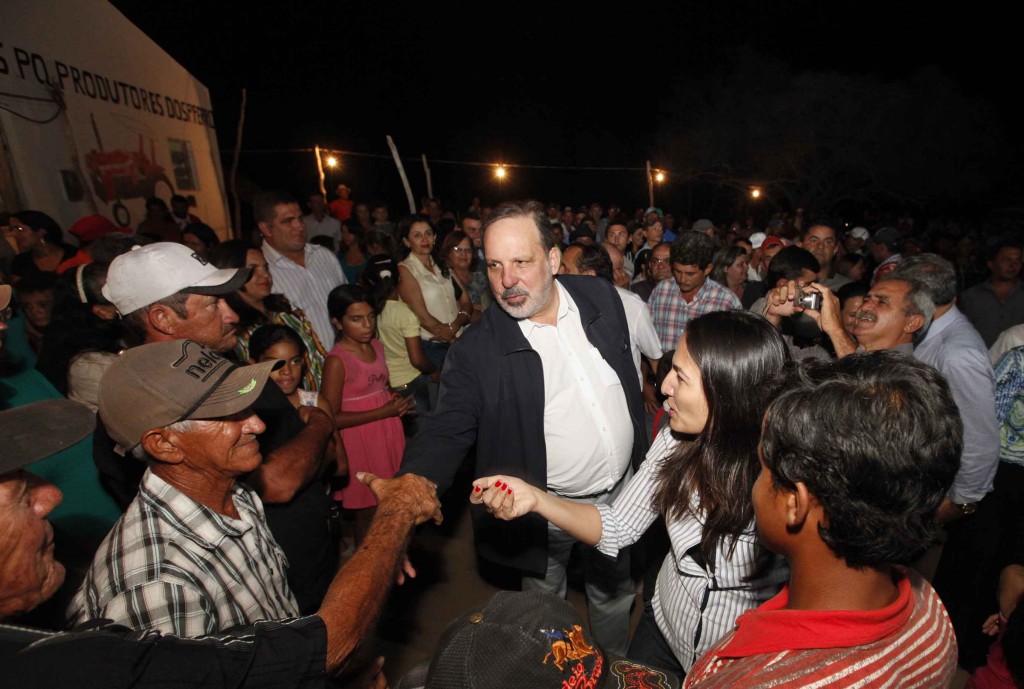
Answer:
(856, 457)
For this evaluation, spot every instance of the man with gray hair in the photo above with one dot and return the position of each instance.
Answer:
(895, 314)
(192, 555)
(546, 388)
(965, 573)
(297, 652)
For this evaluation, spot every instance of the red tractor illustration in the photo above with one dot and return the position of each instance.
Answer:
(120, 174)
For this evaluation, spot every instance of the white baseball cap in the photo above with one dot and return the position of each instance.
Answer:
(757, 239)
(147, 274)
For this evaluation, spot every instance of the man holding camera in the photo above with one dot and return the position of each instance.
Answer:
(895, 314)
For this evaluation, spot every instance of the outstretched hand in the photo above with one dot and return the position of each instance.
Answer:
(409, 492)
(504, 496)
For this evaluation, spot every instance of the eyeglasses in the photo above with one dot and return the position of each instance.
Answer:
(660, 261)
(462, 249)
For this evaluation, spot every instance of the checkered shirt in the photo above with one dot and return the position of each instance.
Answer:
(174, 565)
(671, 313)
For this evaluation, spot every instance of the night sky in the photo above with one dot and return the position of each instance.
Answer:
(529, 86)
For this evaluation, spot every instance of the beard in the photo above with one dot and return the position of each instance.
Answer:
(533, 303)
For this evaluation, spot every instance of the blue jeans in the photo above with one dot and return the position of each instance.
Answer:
(435, 353)
(418, 387)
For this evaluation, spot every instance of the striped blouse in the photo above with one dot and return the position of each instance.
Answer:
(693, 607)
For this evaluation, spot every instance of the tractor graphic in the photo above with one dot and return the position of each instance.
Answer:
(120, 174)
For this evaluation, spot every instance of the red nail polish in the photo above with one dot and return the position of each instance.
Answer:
(476, 489)
(497, 484)
(509, 490)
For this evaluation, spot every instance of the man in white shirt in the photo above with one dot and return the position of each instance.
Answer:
(319, 221)
(305, 273)
(583, 259)
(546, 387)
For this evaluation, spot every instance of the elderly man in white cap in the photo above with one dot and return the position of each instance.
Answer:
(166, 292)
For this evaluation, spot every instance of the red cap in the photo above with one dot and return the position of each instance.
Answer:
(92, 227)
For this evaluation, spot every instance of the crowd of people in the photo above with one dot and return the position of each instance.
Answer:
(768, 423)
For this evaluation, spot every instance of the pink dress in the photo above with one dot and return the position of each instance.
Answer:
(377, 446)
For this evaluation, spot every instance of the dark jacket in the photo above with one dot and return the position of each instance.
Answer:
(492, 394)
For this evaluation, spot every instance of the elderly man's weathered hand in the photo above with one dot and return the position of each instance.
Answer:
(504, 496)
(408, 492)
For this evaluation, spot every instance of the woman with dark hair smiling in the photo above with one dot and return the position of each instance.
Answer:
(256, 306)
(698, 475)
(462, 259)
(426, 286)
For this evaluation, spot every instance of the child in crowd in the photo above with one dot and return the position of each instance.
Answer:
(856, 457)
(281, 342)
(355, 383)
(35, 299)
(269, 342)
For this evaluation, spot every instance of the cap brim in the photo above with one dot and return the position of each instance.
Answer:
(5, 296)
(239, 390)
(220, 282)
(36, 431)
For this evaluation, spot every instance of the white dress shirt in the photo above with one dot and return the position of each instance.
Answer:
(587, 429)
(643, 338)
(307, 286)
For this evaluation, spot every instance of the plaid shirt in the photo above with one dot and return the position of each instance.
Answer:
(174, 565)
(671, 313)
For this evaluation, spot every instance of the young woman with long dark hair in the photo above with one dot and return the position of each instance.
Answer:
(698, 475)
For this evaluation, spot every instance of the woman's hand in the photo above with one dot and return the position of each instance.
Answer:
(398, 406)
(505, 497)
(441, 332)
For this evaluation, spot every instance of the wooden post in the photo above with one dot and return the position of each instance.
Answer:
(236, 224)
(650, 186)
(426, 170)
(320, 171)
(401, 173)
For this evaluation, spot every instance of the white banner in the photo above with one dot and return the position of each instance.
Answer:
(96, 117)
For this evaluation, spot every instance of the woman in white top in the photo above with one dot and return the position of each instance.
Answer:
(425, 285)
(699, 474)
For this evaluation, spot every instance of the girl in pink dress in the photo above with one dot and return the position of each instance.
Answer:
(355, 383)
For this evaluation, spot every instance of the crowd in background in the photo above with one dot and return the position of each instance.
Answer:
(364, 329)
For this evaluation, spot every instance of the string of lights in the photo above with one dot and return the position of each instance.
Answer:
(337, 153)
(331, 158)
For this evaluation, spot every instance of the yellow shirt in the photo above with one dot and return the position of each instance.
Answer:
(397, 322)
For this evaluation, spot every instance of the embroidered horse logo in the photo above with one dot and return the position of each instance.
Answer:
(567, 645)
